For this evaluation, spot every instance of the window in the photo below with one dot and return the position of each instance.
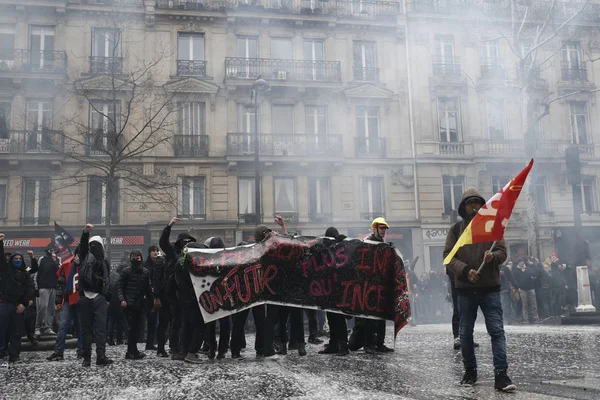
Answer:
(452, 190)
(106, 43)
(371, 197)
(281, 48)
(247, 47)
(367, 130)
(190, 47)
(38, 125)
(449, 119)
(104, 127)
(541, 195)
(192, 118)
(579, 121)
(4, 120)
(316, 120)
(7, 46)
(3, 194)
(444, 62)
(99, 199)
(489, 53)
(571, 55)
(283, 119)
(319, 197)
(246, 118)
(41, 44)
(589, 195)
(365, 61)
(314, 51)
(495, 118)
(285, 195)
(192, 198)
(498, 183)
(36, 202)
(246, 195)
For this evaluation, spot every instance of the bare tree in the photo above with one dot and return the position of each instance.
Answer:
(130, 117)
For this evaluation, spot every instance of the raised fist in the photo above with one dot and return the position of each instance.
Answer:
(88, 228)
(2, 236)
(174, 220)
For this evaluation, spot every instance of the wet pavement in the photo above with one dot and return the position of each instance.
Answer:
(546, 362)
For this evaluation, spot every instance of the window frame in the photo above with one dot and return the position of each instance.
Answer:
(293, 201)
(183, 180)
(454, 195)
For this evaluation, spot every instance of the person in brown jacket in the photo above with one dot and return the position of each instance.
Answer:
(478, 290)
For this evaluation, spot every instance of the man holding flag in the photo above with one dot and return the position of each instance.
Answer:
(474, 252)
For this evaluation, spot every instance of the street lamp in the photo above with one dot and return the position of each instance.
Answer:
(260, 85)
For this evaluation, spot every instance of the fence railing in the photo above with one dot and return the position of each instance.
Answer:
(106, 65)
(370, 74)
(370, 146)
(191, 68)
(35, 221)
(452, 148)
(191, 145)
(23, 142)
(446, 66)
(242, 144)
(282, 70)
(33, 61)
(574, 72)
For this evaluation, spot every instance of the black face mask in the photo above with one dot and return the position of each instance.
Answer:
(136, 264)
(97, 252)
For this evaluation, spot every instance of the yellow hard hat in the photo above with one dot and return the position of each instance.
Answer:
(378, 221)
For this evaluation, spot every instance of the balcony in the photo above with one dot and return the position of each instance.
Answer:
(248, 219)
(106, 65)
(192, 216)
(586, 150)
(499, 147)
(573, 72)
(319, 217)
(32, 142)
(100, 144)
(100, 220)
(446, 66)
(366, 74)
(35, 221)
(492, 71)
(289, 217)
(368, 9)
(452, 148)
(371, 215)
(33, 61)
(282, 70)
(370, 146)
(242, 144)
(191, 145)
(191, 68)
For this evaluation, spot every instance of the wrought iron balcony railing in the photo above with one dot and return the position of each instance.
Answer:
(35, 221)
(100, 144)
(98, 219)
(106, 65)
(33, 61)
(369, 74)
(446, 66)
(191, 68)
(282, 70)
(492, 71)
(248, 219)
(24, 142)
(191, 145)
(574, 72)
(370, 147)
(242, 144)
(191, 216)
(368, 9)
(291, 217)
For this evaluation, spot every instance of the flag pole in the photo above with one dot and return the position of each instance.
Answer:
(483, 263)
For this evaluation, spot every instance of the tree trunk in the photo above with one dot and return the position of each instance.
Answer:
(531, 114)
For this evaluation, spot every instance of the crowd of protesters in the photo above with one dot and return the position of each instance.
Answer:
(149, 299)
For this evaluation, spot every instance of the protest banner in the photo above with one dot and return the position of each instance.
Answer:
(353, 277)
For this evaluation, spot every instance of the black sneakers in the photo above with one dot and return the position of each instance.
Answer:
(301, 349)
(503, 383)
(470, 377)
(55, 357)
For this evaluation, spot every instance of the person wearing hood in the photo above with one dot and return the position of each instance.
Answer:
(16, 293)
(338, 330)
(46, 283)
(170, 308)
(224, 323)
(478, 290)
(134, 289)
(94, 290)
(155, 266)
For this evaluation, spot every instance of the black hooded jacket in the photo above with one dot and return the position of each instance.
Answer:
(134, 286)
(172, 254)
(156, 269)
(93, 272)
(185, 288)
(16, 285)
(46, 276)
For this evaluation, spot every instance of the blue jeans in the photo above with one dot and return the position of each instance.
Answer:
(68, 317)
(491, 306)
